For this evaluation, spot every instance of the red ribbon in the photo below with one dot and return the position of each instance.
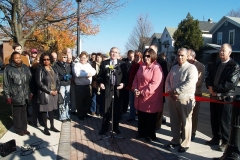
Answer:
(205, 99)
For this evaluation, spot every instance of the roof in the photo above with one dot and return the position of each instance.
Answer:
(206, 26)
(233, 20)
(171, 30)
(157, 35)
(216, 46)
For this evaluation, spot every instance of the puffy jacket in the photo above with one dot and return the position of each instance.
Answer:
(63, 71)
(16, 83)
(44, 86)
(228, 79)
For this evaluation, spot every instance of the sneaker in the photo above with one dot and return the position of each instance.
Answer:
(223, 147)
(212, 142)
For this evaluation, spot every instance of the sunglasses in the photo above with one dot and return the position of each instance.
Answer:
(148, 56)
(64, 57)
(34, 52)
(46, 59)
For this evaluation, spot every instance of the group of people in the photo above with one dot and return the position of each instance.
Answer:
(99, 86)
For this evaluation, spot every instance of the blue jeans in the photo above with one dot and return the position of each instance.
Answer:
(131, 103)
(94, 100)
(64, 108)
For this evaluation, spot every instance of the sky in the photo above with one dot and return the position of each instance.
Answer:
(115, 29)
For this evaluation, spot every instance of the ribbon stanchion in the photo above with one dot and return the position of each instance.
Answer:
(205, 99)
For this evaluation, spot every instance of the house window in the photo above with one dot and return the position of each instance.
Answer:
(231, 37)
(219, 38)
(166, 35)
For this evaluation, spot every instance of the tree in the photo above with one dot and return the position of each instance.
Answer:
(188, 35)
(19, 19)
(234, 13)
(140, 34)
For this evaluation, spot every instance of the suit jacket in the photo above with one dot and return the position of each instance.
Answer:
(104, 77)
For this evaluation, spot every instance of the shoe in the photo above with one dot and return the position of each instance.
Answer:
(116, 131)
(26, 132)
(81, 117)
(21, 133)
(46, 132)
(223, 147)
(193, 137)
(63, 121)
(139, 136)
(54, 129)
(87, 116)
(212, 142)
(148, 139)
(130, 120)
(69, 119)
(164, 120)
(182, 149)
(102, 132)
(171, 145)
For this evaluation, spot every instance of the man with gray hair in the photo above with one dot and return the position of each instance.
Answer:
(221, 82)
(181, 85)
(201, 72)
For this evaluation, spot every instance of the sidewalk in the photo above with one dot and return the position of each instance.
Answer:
(80, 140)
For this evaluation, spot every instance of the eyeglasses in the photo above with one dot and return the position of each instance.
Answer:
(46, 59)
(64, 57)
(148, 56)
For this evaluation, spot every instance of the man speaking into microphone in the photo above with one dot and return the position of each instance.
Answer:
(111, 79)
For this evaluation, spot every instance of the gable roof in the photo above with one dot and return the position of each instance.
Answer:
(171, 30)
(206, 26)
(233, 20)
(157, 35)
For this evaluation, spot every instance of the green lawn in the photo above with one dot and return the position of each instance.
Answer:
(5, 113)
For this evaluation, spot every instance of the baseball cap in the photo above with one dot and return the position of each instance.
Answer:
(34, 50)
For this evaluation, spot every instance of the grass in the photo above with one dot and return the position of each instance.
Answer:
(5, 113)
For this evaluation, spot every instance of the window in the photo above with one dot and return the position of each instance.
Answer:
(166, 35)
(231, 37)
(219, 38)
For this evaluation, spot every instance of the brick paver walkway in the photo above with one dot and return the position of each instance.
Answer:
(87, 144)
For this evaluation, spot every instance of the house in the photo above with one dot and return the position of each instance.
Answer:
(5, 48)
(156, 40)
(227, 30)
(167, 45)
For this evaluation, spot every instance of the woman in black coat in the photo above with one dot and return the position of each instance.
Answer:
(65, 75)
(48, 89)
(17, 78)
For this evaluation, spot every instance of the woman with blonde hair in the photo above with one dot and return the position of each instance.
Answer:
(65, 75)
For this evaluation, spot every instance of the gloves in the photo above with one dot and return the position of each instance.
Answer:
(67, 77)
(9, 101)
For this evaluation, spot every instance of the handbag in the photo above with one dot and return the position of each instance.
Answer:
(7, 148)
(60, 99)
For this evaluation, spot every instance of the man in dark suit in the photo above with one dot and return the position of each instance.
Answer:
(111, 81)
(125, 92)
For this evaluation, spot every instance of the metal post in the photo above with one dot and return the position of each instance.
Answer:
(78, 27)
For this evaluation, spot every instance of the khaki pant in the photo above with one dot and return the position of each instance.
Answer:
(195, 116)
(181, 116)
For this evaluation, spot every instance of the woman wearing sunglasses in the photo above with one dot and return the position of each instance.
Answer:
(148, 88)
(65, 75)
(48, 87)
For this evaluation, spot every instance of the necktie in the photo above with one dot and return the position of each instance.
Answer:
(113, 76)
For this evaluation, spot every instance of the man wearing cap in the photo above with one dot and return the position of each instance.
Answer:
(33, 55)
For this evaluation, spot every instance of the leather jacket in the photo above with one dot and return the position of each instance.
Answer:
(43, 81)
(228, 80)
(17, 82)
(63, 71)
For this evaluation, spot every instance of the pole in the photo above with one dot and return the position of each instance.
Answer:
(78, 27)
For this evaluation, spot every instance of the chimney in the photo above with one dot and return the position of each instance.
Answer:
(210, 20)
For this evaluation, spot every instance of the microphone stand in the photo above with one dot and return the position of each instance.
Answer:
(112, 84)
